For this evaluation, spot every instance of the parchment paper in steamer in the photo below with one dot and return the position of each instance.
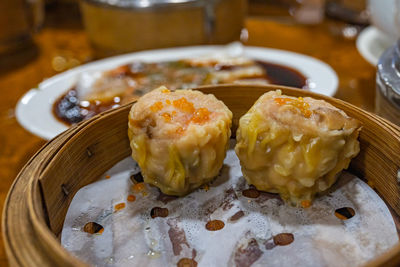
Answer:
(132, 238)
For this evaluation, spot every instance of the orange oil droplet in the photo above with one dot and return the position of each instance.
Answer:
(119, 206)
(305, 204)
(131, 198)
(138, 187)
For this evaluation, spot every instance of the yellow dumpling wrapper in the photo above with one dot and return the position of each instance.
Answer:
(179, 138)
(295, 147)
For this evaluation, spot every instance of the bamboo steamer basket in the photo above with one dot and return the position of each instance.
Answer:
(39, 198)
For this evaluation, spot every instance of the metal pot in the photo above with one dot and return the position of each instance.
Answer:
(118, 26)
(388, 84)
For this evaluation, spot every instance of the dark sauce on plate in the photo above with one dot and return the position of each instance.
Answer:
(68, 110)
(283, 75)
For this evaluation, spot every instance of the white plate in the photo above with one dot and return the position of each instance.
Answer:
(371, 43)
(34, 109)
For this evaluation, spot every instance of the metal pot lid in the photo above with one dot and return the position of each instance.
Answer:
(146, 4)
(388, 72)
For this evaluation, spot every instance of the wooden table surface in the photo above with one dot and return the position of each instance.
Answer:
(63, 36)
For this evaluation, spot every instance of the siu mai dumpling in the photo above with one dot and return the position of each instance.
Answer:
(179, 138)
(295, 146)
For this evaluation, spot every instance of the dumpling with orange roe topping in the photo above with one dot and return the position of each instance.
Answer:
(295, 146)
(179, 138)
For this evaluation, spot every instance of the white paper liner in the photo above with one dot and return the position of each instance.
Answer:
(132, 238)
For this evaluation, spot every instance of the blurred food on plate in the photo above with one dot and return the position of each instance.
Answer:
(98, 91)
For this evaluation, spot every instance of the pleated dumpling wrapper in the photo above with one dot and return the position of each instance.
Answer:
(295, 146)
(179, 138)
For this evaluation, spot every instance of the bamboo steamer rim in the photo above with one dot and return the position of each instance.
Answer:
(30, 242)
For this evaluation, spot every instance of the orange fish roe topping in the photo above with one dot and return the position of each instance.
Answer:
(173, 113)
(131, 198)
(184, 105)
(180, 130)
(167, 117)
(108, 176)
(299, 103)
(201, 115)
(168, 102)
(156, 106)
(165, 91)
(119, 206)
(138, 187)
(305, 203)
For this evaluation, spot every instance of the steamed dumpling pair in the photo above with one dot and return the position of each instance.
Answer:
(292, 146)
